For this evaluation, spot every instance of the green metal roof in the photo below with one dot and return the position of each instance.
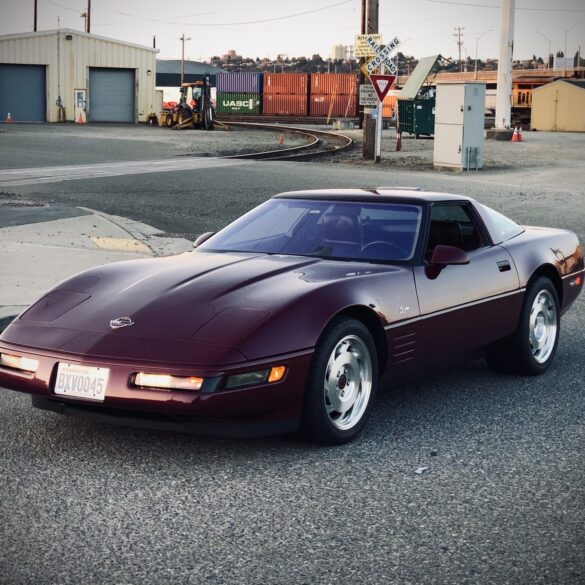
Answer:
(418, 77)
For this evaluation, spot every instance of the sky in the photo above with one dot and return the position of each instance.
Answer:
(266, 28)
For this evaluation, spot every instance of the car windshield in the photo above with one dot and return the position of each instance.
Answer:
(383, 232)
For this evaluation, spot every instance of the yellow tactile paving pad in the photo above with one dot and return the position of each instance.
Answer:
(120, 245)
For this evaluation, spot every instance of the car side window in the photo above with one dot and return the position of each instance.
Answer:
(453, 225)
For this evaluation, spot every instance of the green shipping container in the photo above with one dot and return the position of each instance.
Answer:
(238, 103)
(417, 116)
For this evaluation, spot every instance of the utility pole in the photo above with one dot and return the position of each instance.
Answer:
(88, 21)
(565, 52)
(362, 77)
(504, 95)
(458, 34)
(183, 39)
(35, 16)
(369, 141)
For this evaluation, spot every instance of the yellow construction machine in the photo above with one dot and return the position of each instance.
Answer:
(194, 110)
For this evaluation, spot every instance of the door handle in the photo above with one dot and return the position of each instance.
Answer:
(504, 266)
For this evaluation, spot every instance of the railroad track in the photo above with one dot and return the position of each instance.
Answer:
(321, 143)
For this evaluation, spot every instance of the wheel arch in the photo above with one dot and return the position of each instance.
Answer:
(371, 320)
(550, 272)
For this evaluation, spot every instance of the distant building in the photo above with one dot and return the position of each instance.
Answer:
(231, 55)
(341, 52)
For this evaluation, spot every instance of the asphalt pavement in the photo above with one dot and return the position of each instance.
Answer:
(499, 497)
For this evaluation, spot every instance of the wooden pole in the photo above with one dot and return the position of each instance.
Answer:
(369, 141)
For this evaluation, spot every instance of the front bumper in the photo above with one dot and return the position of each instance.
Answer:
(250, 411)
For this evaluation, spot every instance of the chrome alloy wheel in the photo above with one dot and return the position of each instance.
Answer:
(348, 382)
(543, 326)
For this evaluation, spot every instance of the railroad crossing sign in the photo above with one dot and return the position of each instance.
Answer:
(382, 56)
(382, 84)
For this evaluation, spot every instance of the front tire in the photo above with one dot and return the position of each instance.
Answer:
(342, 383)
(531, 349)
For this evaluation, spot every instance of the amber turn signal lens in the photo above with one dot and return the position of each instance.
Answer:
(276, 374)
(17, 362)
(167, 382)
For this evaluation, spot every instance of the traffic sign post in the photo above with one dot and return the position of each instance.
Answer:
(381, 83)
(379, 121)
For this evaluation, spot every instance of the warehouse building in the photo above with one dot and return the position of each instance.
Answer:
(68, 75)
(559, 106)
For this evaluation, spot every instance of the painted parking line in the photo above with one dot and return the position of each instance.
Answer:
(15, 177)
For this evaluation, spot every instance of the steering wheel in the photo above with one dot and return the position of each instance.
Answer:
(395, 247)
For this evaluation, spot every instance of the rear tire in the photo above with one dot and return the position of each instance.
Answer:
(342, 383)
(531, 349)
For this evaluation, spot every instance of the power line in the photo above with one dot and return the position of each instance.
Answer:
(498, 7)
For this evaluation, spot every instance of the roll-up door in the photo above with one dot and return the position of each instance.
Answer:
(112, 95)
(23, 93)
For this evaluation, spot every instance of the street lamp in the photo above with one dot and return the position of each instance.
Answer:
(183, 38)
(548, 56)
(565, 53)
(476, 46)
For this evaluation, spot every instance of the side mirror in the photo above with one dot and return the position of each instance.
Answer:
(445, 256)
(449, 255)
(202, 238)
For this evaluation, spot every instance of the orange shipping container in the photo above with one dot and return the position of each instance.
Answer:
(286, 83)
(339, 106)
(390, 103)
(285, 105)
(334, 83)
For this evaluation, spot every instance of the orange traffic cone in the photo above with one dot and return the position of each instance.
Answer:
(520, 134)
(9, 118)
(80, 121)
(516, 136)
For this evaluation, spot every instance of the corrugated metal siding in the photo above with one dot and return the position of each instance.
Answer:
(284, 105)
(71, 70)
(286, 83)
(238, 103)
(336, 106)
(239, 82)
(22, 92)
(334, 83)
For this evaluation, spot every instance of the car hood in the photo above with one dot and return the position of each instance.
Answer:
(193, 299)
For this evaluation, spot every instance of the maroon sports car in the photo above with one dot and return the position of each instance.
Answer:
(286, 319)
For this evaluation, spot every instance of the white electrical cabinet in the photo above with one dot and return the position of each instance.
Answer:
(459, 125)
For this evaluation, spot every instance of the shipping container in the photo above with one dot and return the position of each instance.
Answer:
(338, 106)
(285, 105)
(390, 103)
(334, 83)
(286, 83)
(238, 103)
(239, 82)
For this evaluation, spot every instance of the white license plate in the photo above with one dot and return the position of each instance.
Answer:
(81, 381)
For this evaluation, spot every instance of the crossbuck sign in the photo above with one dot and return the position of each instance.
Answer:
(382, 55)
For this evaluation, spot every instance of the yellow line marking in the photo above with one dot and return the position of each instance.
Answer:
(120, 245)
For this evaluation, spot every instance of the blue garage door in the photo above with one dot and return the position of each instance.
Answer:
(23, 92)
(112, 95)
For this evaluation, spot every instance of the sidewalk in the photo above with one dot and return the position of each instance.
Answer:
(41, 246)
